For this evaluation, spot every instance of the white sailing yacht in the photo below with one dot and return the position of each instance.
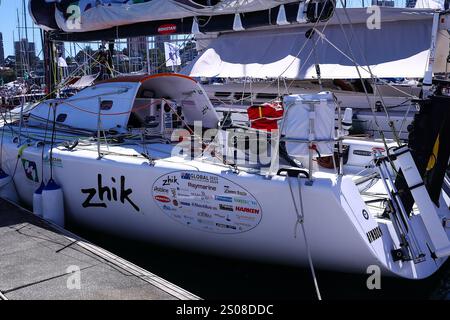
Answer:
(148, 157)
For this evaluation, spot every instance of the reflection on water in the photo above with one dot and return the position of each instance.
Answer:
(212, 277)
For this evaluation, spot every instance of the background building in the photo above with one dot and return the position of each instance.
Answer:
(2, 51)
(25, 53)
(137, 46)
(159, 42)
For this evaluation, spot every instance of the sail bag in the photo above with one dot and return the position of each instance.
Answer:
(310, 121)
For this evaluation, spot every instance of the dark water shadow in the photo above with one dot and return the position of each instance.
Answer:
(213, 278)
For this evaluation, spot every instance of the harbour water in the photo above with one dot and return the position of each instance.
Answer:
(212, 277)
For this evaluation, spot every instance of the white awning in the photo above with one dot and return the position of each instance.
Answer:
(400, 48)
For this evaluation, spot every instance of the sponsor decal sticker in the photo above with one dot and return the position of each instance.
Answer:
(201, 196)
(163, 199)
(56, 162)
(206, 202)
(170, 180)
(200, 177)
(161, 190)
(374, 234)
(247, 210)
(30, 169)
(226, 207)
(224, 199)
(365, 214)
(246, 218)
(167, 29)
(204, 214)
(229, 190)
(243, 224)
(201, 186)
(245, 201)
(363, 153)
(226, 226)
(203, 206)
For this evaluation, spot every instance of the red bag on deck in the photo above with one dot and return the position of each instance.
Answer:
(266, 116)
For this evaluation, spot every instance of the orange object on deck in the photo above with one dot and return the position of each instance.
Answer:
(266, 116)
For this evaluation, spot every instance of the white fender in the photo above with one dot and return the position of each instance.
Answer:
(53, 203)
(37, 201)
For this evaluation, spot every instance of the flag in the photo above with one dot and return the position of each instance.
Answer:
(172, 54)
(62, 62)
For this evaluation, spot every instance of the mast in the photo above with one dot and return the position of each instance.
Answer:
(49, 64)
(147, 55)
(21, 48)
(428, 76)
(25, 19)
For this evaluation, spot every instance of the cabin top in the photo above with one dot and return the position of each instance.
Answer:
(118, 101)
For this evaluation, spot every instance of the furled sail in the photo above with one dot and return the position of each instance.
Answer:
(92, 15)
(108, 19)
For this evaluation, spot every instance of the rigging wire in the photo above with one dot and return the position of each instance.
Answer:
(364, 85)
(280, 76)
(301, 221)
(1, 146)
(391, 123)
(52, 141)
(43, 146)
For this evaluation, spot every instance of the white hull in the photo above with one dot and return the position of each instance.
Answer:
(140, 186)
(335, 226)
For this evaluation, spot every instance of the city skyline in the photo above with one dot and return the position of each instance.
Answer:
(8, 26)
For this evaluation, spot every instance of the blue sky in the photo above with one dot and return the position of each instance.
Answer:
(8, 25)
